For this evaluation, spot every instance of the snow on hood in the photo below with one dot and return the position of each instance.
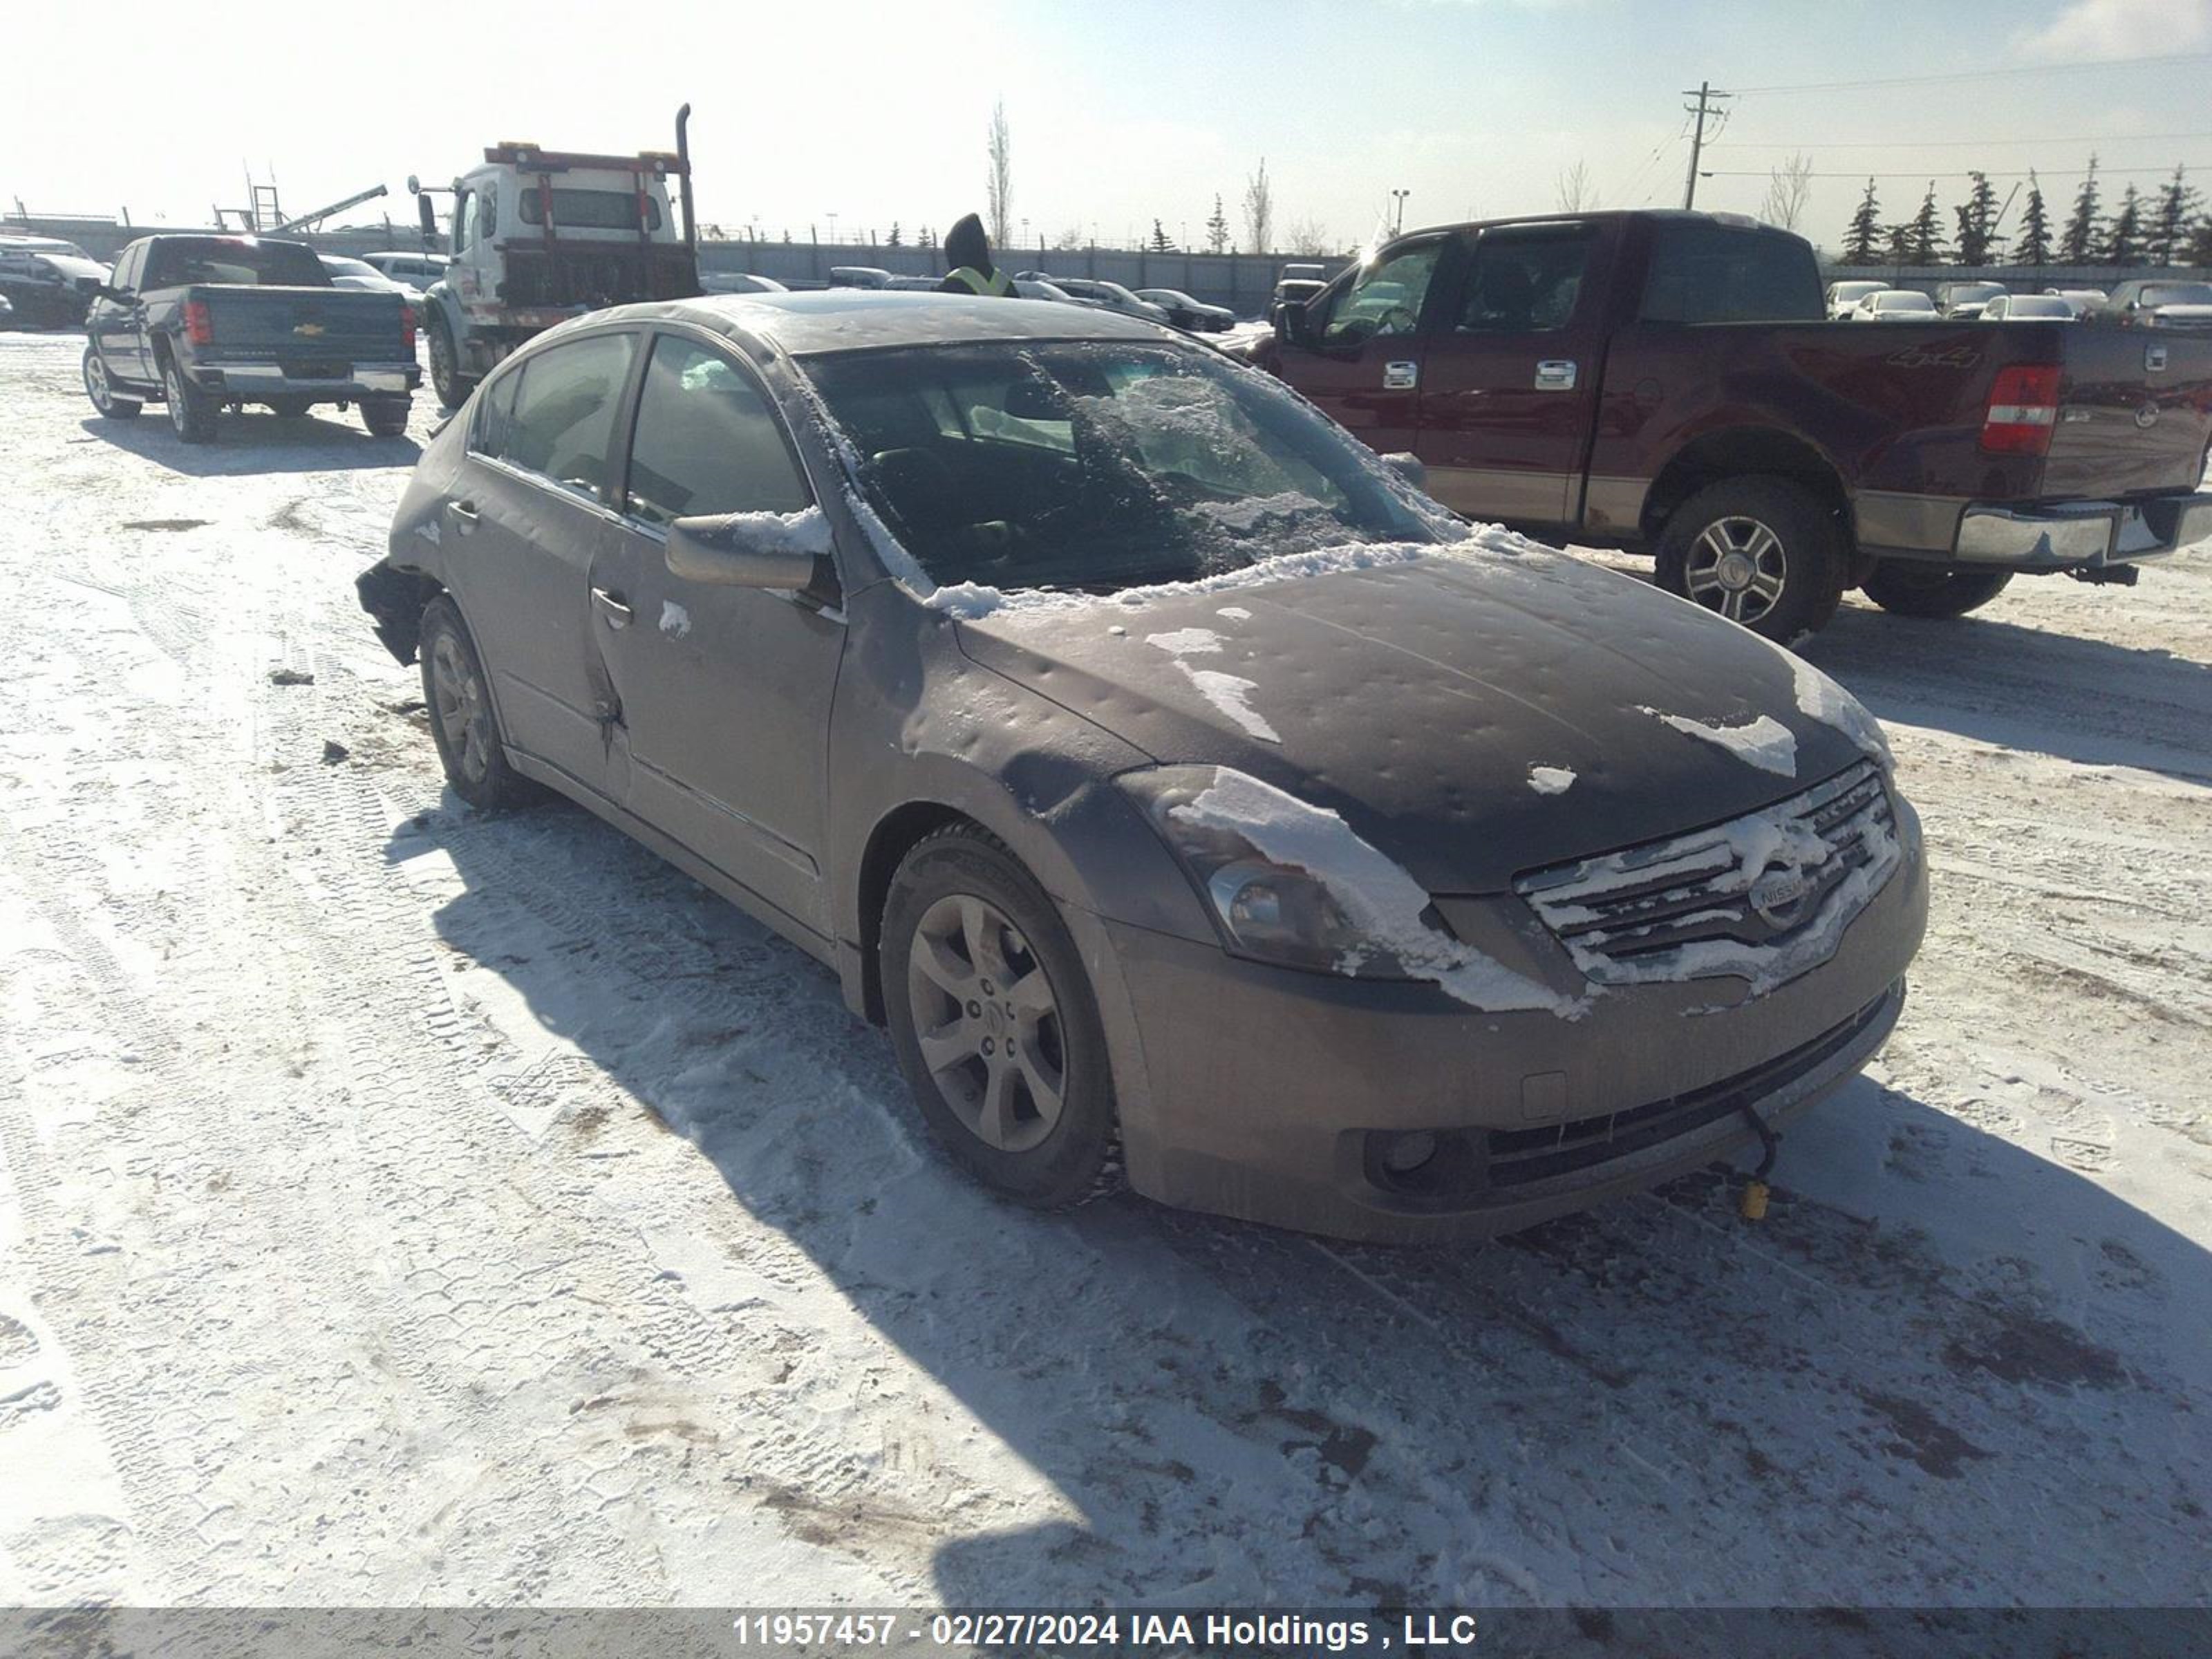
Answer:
(1376, 895)
(1765, 742)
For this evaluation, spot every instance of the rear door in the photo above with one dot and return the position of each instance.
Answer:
(723, 693)
(1508, 386)
(1361, 361)
(531, 511)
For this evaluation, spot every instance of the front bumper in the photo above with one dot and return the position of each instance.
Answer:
(2078, 534)
(1264, 1093)
(254, 382)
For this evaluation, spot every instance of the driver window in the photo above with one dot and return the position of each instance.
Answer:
(1522, 284)
(1386, 298)
(465, 220)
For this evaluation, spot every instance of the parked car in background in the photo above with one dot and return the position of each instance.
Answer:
(16, 243)
(1035, 288)
(859, 277)
(414, 270)
(1297, 284)
(1154, 899)
(1964, 301)
(2159, 302)
(2022, 307)
(1843, 297)
(1895, 304)
(2083, 300)
(1112, 295)
(1669, 382)
(1186, 312)
(203, 323)
(49, 289)
(359, 274)
(738, 281)
(904, 285)
(7, 312)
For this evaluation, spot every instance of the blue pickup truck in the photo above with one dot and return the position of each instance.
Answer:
(202, 323)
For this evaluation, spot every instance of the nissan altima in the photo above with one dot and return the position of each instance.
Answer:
(1201, 807)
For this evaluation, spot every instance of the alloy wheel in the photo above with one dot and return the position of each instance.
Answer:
(1737, 567)
(988, 1023)
(462, 710)
(95, 382)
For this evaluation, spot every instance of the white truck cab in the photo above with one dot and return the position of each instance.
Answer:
(539, 236)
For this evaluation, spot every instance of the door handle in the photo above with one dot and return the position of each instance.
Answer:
(465, 515)
(1555, 375)
(617, 614)
(1400, 377)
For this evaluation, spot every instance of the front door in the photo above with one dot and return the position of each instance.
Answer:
(1360, 357)
(119, 325)
(723, 693)
(532, 510)
(1509, 385)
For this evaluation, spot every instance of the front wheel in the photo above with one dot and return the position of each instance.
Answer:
(462, 721)
(385, 417)
(1764, 552)
(1932, 590)
(191, 411)
(452, 385)
(994, 1023)
(101, 391)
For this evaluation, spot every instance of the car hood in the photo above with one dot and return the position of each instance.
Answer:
(1419, 700)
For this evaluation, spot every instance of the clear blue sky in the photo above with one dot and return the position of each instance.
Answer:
(1121, 110)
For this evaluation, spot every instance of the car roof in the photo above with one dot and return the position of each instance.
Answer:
(860, 319)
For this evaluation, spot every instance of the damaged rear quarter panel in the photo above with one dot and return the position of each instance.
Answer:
(415, 569)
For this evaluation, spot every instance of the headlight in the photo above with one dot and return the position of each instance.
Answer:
(1265, 909)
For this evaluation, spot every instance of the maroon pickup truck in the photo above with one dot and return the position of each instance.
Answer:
(1667, 381)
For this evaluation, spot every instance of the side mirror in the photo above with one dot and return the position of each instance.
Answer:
(89, 285)
(742, 550)
(120, 295)
(1292, 325)
(428, 214)
(1408, 466)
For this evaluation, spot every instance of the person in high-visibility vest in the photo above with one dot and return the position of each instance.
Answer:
(972, 271)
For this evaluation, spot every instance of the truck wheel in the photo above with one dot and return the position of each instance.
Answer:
(1760, 551)
(103, 395)
(452, 385)
(191, 411)
(994, 1024)
(1932, 590)
(462, 722)
(385, 417)
(290, 408)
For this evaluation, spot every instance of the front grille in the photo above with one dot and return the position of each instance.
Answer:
(1765, 897)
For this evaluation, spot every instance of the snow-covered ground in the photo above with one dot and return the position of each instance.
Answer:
(400, 1206)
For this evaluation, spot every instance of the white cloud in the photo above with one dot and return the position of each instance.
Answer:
(2085, 30)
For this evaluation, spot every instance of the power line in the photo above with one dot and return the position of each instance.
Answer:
(2159, 169)
(1952, 143)
(2162, 58)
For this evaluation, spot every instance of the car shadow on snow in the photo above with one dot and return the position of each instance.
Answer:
(2034, 690)
(257, 442)
(1966, 1375)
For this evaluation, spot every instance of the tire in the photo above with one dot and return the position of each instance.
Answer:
(384, 416)
(462, 722)
(191, 411)
(959, 899)
(1763, 552)
(1932, 590)
(290, 408)
(452, 385)
(101, 391)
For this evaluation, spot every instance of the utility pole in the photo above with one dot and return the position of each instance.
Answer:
(1705, 106)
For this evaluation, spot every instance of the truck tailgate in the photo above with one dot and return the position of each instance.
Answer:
(318, 325)
(2134, 413)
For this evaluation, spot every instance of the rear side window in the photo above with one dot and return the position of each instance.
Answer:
(564, 412)
(706, 440)
(1525, 281)
(1713, 273)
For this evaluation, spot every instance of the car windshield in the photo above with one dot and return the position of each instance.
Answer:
(1902, 302)
(339, 265)
(2178, 294)
(2038, 305)
(65, 264)
(1094, 466)
(240, 262)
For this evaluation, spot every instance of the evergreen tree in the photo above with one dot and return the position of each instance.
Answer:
(1216, 228)
(2035, 247)
(2076, 247)
(1161, 242)
(2124, 241)
(2200, 244)
(894, 238)
(1898, 244)
(1978, 233)
(1862, 240)
(2176, 206)
(1924, 235)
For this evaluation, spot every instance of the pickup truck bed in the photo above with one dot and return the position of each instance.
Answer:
(1586, 378)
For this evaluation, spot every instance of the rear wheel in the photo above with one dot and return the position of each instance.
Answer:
(462, 722)
(1932, 590)
(995, 1025)
(1764, 552)
(191, 411)
(452, 385)
(384, 416)
(101, 391)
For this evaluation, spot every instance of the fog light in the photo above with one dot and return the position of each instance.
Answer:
(1403, 1154)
